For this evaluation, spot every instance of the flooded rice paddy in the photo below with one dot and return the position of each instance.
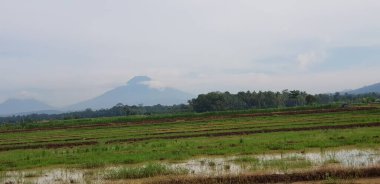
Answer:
(280, 163)
(213, 166)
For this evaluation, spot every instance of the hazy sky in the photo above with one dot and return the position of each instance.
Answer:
(65, 51)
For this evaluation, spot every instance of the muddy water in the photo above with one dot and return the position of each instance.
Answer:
(346, 158)
(205, 166)
(54, 176)
(211, 166)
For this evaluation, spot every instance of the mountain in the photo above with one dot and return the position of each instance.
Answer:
(23, 106)
(367, 89)
(137, 91)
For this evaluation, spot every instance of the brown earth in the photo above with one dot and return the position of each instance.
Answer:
(218, 129)
(346, 181)
(47, 141)
(49, 146)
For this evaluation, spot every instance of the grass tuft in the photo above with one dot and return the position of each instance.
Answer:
(146, 171)
(246, 160)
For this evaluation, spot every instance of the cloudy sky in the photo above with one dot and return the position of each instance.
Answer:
(65, 51)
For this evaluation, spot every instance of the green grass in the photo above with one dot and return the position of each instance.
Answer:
(149, 170)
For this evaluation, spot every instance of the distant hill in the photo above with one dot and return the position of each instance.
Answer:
(367, 89)
(23, 106)
(137, 91)
(49, 112)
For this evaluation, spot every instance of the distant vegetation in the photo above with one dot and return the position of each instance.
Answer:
(210, 102)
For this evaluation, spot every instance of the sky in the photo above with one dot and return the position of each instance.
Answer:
(62, 52)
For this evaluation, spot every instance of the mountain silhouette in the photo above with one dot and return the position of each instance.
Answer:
(375, 88)
(23, 106)
(137, 91)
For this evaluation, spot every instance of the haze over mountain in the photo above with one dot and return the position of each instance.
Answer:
(366, 89)
(24, 106)
(139, 90)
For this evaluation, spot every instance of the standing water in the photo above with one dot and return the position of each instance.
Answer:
(212, 166)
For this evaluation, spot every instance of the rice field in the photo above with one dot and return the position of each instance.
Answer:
(136, 148)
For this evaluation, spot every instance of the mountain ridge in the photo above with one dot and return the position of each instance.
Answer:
(374, 88)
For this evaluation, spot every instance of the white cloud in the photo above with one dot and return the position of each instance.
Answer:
(308, 59)
(155, 84)
(25, 95)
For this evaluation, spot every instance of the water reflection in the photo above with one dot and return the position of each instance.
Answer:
(228, 165)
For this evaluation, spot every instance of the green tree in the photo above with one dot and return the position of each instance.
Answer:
(310, 99)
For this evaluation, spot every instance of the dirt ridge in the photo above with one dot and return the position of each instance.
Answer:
(49, 146)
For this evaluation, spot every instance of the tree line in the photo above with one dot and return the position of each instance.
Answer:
(213, 101)
(221, 101)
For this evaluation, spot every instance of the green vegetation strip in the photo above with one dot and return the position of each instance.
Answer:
(376, 124)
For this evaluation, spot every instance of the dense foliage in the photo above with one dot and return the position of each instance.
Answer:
(117, 110)
(214, 101)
